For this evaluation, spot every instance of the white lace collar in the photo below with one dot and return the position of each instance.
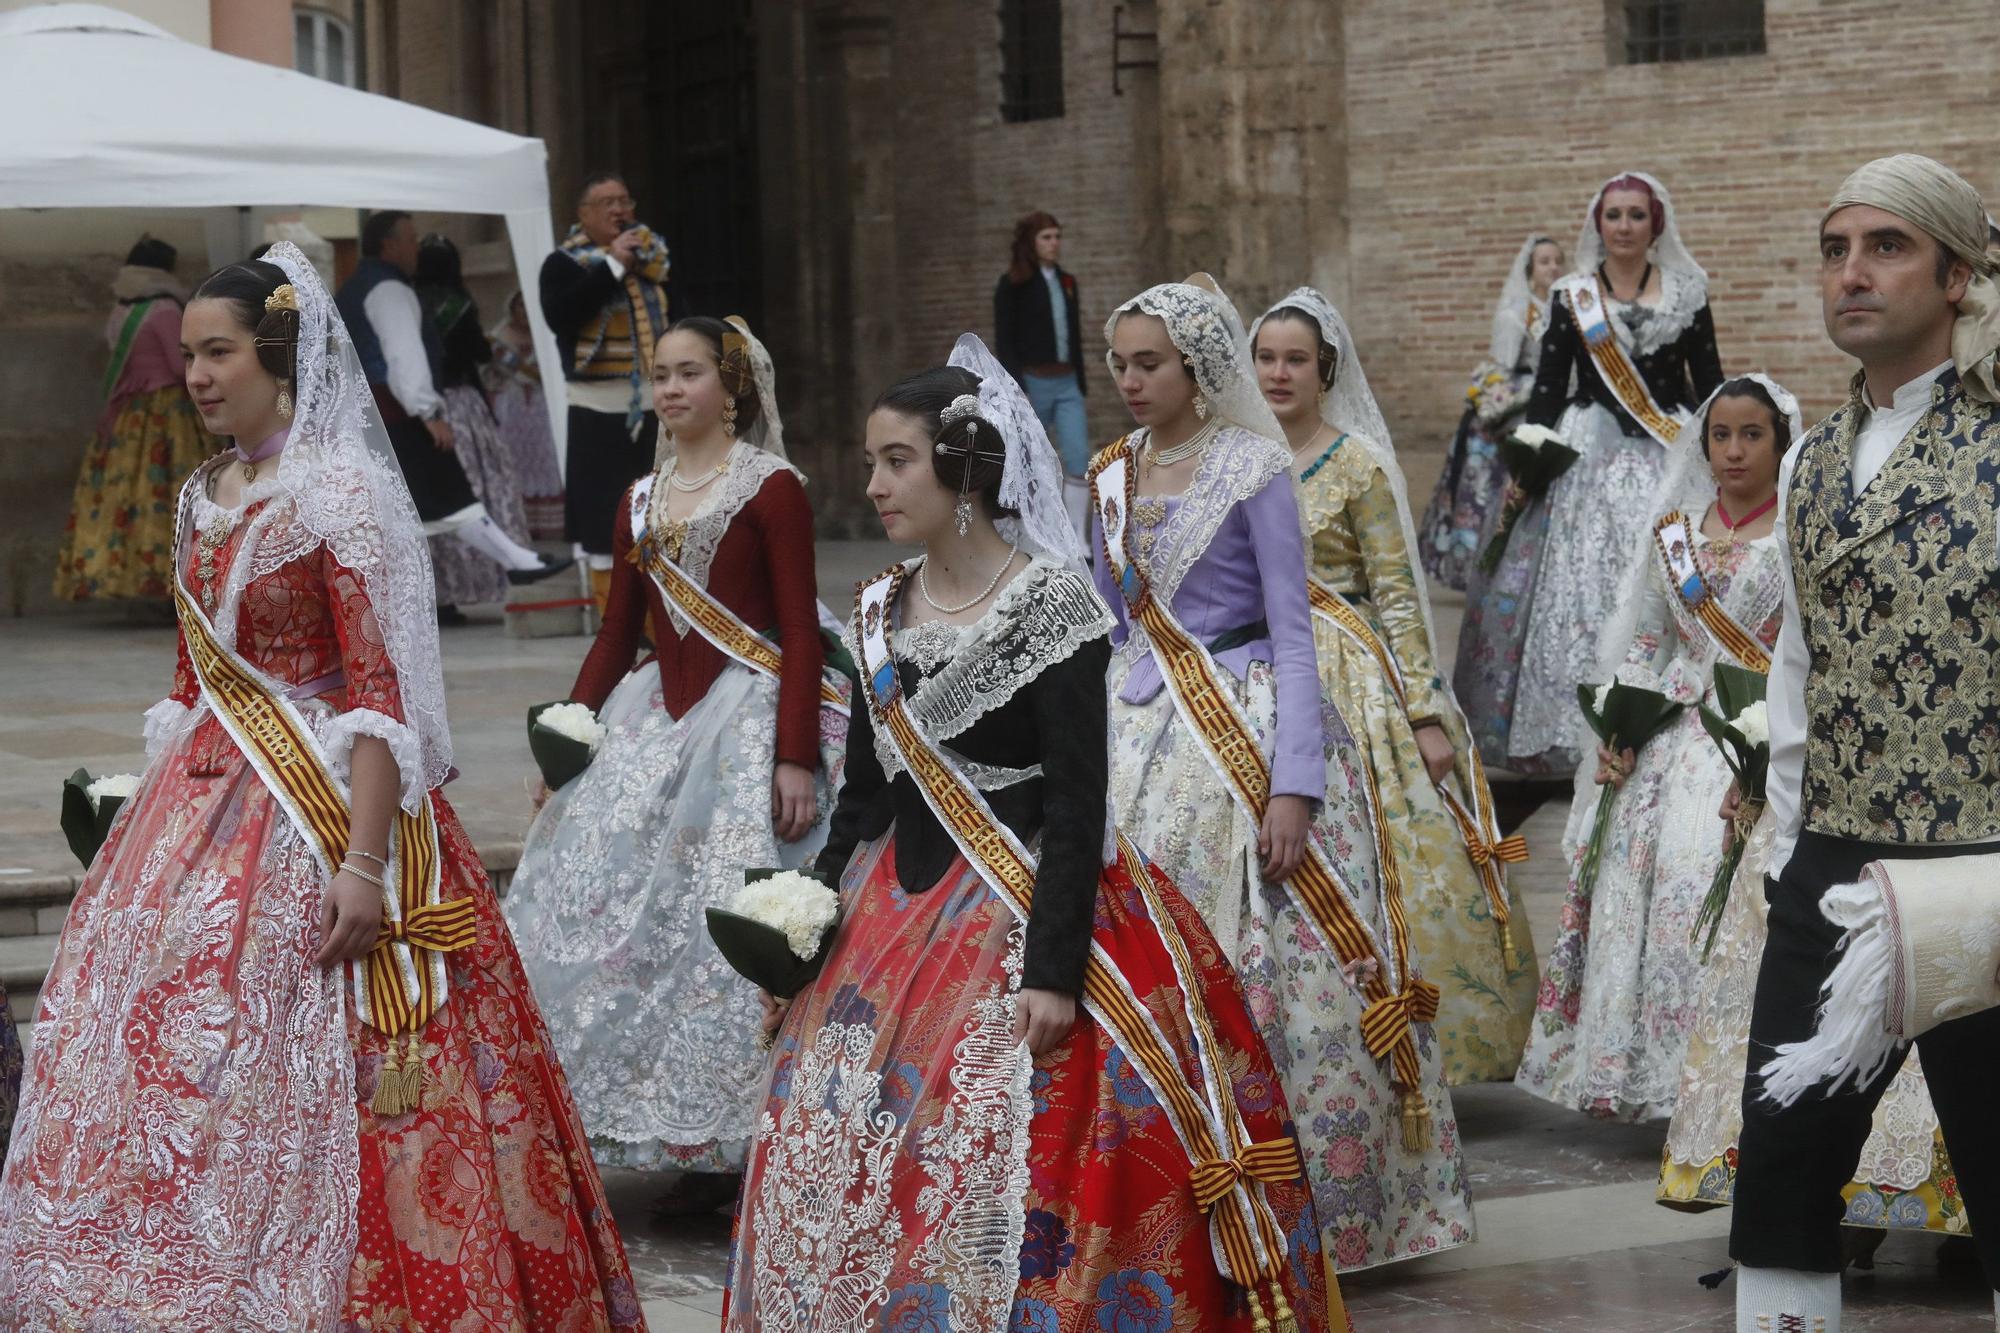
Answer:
(748, 468)
(1235, 467)
(1043, 615)
(1683, 295)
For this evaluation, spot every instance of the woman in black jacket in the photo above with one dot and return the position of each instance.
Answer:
(1038, 336)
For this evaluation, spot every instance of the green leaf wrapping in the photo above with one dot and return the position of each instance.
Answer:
(761, 954)
(561, 758)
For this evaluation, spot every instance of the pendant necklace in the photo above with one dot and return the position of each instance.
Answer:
(924, 586)
(264, 451)
(1735, 537)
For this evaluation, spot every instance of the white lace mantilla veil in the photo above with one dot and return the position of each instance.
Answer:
(1510, 313)
(1031, 478)
(1689, 486)
(767, 432)
(1205, 328)
(341, 489)
(1350, 407)
(1683, 282)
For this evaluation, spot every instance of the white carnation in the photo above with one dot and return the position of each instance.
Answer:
(797, 904)
(118, 785)
(1753, 724)
(574, 721)
(1603, 697)
(1536, 436)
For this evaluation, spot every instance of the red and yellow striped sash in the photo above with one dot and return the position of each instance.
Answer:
(1396, 999)
(1478, 825)
(1673, 540)
(403, 980)
(1224, 1165)
(1616, 368)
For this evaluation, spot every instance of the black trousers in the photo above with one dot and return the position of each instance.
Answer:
(435, 476)
(1793, 1161)
(604, 459)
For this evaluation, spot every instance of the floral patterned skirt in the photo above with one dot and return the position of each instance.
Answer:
(463, 575)
(523, 415)
(1486, 991)
(120, 537)
(1904, 1180)
(917, 1170)
(657, 1033)
(1467, 491)
(1488, 672)
(1377, 1202)
(196, 1146)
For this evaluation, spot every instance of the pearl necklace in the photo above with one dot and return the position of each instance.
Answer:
(1186, 449)
(700, 484)
(924, 586)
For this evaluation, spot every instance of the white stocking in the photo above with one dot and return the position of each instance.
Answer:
(488, 538)
(1785, 1300)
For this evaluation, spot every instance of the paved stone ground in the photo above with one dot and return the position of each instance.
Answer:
(1569, 1236)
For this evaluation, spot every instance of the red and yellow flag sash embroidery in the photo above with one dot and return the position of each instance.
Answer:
(1593, 319)
(1396, 999)
(1673, 539)
(714, 621)
(1478, 823)
(1249, 1244)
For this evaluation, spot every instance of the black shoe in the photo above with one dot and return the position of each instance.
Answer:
(450, 617)
(521, 577)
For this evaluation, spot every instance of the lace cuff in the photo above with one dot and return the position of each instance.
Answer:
(166, 722)
(339, 732)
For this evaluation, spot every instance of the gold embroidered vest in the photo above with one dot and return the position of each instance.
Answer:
(1899, 605)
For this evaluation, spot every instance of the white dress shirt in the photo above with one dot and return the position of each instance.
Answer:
(1785, 698)
(397, 319)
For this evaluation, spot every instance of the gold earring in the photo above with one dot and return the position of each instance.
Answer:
(1201, 407)
(729, 416)
(284, 400)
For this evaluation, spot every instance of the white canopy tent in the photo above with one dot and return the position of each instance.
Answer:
(104, 110)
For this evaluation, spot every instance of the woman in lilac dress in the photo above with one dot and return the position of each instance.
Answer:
(1245, 786)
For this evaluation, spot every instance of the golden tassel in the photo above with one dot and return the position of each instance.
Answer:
(1287, 1322)
(1257, 1320)
(389, 1084)
(1506, 941)
(1416, 1122)
(413, 1075)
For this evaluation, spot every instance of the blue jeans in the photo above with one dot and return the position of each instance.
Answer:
(1058, 401)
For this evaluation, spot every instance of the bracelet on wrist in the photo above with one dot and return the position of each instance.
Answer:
(359, 873)
(368, 856)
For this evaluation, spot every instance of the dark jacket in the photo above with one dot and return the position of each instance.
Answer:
(1680, 374)
(351, 301)
(1024, 326)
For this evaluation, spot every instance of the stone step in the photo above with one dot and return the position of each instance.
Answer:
(35, 904)
(24, 965)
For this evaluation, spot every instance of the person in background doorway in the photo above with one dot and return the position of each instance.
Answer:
(1038, 336)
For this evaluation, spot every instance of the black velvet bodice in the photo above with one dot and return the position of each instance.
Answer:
(1681, 373)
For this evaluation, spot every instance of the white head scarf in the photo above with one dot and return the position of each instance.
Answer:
(1206, 330)
(1945, 205)
(1511, 325)
(341, 490)
(1349, 407)
(1031, 477)
(1683, 283)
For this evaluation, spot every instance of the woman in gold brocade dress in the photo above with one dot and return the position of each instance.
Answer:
(1377, 660)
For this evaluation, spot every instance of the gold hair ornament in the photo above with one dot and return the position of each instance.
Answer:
(285, 298)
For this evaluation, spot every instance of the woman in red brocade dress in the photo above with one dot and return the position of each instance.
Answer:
(211, 1136)
(960, 1132)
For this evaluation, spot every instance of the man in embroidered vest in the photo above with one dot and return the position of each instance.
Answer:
(402, 354)
(605, 296)
(1884, 704)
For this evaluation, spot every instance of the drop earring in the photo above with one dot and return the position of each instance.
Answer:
(284, 400)
(1201, 407)
(729, 416)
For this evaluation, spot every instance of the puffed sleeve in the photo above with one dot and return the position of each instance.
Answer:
(1392, 587)
(865, 807)
(785, 523)
(1272, 515)
(1072, 722)
(617, 642)
(374, 695)
(1560, 345)
(1704, 359)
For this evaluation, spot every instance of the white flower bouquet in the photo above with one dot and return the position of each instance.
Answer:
(88, 807)
(563, 736)
(1623, 716)
(1742, 731)
(777, 929)
(1535, 456)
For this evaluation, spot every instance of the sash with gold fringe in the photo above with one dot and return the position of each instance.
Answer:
(403, 980)
(1478, 823)
(1396, 999)
(1673, 539)
(1249, 1245)
(717, 623)
(1593, 320)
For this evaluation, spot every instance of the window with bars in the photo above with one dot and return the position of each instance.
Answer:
(322, 46)
(1665, 31)
(1031, 63)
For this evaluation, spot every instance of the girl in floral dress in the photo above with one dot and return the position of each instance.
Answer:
(291, 1075)
(1020, 1089)
(1240, 780)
